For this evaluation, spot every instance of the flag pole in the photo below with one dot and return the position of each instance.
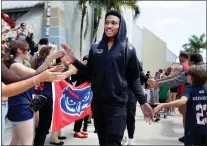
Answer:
(53, 97)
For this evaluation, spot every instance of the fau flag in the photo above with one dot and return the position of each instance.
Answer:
(70, 103)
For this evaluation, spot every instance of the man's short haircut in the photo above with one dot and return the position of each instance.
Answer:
(114, 13)
(43, 41)
(22, 24)
(161, 70)
(169, 69)
(198, 74)
(184, 54)
(196, 58)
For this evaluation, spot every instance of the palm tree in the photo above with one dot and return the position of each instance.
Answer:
(108, 5)
(195, 44)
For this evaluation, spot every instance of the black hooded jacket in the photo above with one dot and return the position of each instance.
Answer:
(111, 77)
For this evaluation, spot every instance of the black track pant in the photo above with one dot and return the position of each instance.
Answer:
(195, 139)
(110, 123)
(45, 118)
(131, 112)
(78, 124)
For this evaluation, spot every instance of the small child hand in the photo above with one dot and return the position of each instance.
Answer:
(158, 108)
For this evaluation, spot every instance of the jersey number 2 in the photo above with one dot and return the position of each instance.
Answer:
(201, 116)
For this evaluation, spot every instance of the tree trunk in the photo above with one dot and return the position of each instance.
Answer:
(96, 30)
(81, 28)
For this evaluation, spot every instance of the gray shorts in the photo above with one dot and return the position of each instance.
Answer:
(154, 96)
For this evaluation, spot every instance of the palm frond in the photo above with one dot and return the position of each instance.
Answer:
(185, 46)
(195, 44)
(201, 38)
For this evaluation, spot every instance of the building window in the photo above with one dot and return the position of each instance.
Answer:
(16, 15)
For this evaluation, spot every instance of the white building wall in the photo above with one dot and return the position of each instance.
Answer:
(34, 22)
(72, 27)
(170, 57)
(154, 52)
(137, 40)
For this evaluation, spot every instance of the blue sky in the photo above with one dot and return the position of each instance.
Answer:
(174, 21)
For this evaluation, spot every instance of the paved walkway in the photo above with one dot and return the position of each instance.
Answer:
(166, 132)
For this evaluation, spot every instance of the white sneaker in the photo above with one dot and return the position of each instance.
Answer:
(170, 113)
(124, 140)
(130, 142)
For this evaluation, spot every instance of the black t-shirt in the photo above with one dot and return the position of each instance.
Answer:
(148, 75)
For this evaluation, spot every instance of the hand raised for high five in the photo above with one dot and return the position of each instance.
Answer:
(69, 54)
(50, 75)
(54, 55)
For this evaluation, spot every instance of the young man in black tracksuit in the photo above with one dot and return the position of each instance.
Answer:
(114, 68)
(131, 107)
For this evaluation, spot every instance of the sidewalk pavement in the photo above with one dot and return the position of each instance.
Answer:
(165, 132)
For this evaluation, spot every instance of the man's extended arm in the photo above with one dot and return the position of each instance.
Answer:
(176, 81)
(167, 78)
(85, 69)
(9, 76)
(177, 70)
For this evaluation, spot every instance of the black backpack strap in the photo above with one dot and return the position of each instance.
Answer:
(126, 56)
(27, 98)
(95, 45)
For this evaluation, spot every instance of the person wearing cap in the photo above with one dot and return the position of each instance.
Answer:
(113, 66)
(21, 32)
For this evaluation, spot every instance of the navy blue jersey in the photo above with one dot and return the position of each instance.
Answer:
(19, 109)
(196, 109)
(46, 88)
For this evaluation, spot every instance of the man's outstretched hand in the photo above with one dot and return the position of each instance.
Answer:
(69, 54)
(148, 113)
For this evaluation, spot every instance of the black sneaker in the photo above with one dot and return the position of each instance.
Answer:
(84, 129)
(157, 119)
(181, 139)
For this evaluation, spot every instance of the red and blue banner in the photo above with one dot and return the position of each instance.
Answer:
(70, 103)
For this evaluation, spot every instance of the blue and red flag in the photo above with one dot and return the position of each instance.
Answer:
(70, 103)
